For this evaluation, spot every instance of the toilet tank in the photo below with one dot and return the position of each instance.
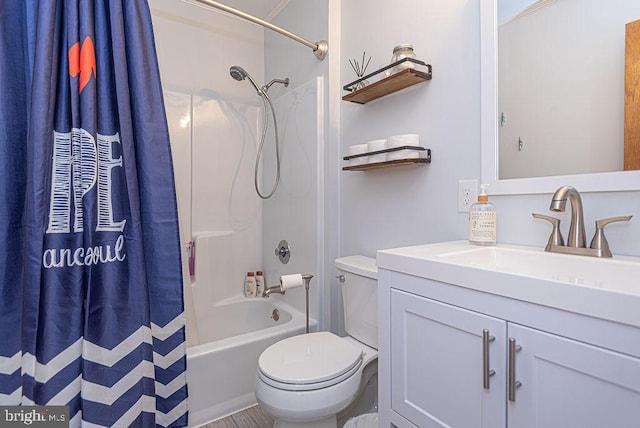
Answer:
(360, 297)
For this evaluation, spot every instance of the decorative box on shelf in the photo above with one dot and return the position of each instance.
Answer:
(404, 73)
(424, 157)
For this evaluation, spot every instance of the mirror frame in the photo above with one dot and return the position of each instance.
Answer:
(597, 182)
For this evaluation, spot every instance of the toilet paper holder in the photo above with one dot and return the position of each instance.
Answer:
(280, 290)
(307, 279)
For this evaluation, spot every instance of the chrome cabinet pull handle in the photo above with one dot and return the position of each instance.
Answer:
(486, 371)
(513, 383)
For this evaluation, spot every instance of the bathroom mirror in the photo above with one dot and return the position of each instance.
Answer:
(537, 179)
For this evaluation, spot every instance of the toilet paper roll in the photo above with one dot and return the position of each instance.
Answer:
(357, 149)
(403, 140)
(291, 281)
(374, 146)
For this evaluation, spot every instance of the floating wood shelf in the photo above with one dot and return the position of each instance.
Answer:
(393, 83)
(397, 162)
(386, 164)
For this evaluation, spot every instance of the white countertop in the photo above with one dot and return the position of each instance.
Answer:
(603, 288)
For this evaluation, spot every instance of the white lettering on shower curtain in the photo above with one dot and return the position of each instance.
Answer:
(77, 166)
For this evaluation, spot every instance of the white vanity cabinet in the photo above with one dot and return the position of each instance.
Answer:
(437, 373)
(444, 355)
(566, 383)
(437, 364)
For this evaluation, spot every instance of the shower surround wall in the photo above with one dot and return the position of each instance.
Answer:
(312, 226)
(215, 125)
(294, 211)
(196, 47)
(213, 146)
(230, 364)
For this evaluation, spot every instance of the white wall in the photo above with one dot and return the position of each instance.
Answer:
(414, 205)
(409, 205)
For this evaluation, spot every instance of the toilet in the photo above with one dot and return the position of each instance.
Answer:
(305, 381)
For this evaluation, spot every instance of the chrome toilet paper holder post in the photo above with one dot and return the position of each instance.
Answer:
(307, 279)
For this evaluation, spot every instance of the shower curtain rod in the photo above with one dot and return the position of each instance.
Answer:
(320, 48)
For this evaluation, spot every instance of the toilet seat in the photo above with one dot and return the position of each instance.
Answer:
(309, 362)
(308, 386)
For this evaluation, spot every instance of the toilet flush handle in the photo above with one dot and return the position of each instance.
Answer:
(341, 278)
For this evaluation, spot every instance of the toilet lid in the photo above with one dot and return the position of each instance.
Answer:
(309, 358)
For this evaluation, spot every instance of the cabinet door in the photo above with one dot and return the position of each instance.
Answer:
(398, 421)
(570, 384)
(437, 364)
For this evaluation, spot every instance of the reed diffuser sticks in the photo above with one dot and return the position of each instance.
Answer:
(360, 68)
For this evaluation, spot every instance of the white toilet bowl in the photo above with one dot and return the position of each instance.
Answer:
(304, 381)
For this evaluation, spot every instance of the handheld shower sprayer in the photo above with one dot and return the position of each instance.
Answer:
(239, 74)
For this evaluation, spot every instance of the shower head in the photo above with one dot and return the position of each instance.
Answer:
(285, 82)
(239, 74)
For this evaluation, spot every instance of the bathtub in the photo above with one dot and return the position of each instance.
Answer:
(221, 370)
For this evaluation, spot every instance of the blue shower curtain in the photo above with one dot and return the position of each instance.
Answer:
(91, 303)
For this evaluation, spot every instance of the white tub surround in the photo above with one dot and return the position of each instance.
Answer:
(498, 336)
(221, 372)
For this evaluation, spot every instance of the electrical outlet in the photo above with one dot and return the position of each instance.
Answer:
(467, 194)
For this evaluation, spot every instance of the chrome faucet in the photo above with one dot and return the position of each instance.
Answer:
(271, 290)
(280, 289)
(576, 243)
(576, 229)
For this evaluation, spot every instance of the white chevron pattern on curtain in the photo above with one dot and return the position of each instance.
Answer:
(103, 394)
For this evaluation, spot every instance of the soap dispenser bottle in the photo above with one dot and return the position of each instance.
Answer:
(483, 220)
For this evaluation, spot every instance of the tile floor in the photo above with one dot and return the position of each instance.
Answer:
(253, 417)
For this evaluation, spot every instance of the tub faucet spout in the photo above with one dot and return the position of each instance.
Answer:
(270, 290)
(576, 229)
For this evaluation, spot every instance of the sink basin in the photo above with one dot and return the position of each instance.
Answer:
(602, 288)
(619, 274)
(614, 274)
